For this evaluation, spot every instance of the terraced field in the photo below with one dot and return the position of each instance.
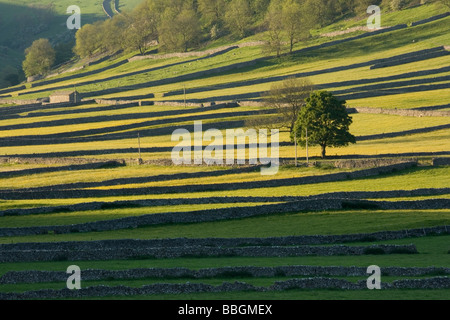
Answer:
(73, 191)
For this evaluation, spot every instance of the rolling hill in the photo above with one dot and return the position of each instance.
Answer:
(93, 183)
(24, 21)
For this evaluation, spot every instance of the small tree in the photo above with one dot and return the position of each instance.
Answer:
(178, 30)
(397, 4)
(288, 97)
(141, 31)
(212, 12)
(324, 121)
(294, 23)
(88, 40)
(113, 36)
(39, 58)
(274, 21)
(238, 17)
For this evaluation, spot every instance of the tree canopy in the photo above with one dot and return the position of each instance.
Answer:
(181, 25)
(39, 58)
(324, 121)
(288, 98)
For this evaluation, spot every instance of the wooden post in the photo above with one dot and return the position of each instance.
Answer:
(296, 148)
(139, 143)
(307, 151)
(185, 96)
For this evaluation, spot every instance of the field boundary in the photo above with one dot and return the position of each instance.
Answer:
(34, 276)
(225, 214)
(192, 288)
(308, 240)
(132, 253)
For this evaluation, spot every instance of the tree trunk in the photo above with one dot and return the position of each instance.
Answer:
(324, 151)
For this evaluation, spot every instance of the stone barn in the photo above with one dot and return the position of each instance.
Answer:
(65, 97)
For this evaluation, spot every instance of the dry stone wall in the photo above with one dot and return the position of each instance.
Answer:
(228, 242)
(8, 90)
(133, 253)
(228, 213)
(91, 206)
(434, 18)
(35, 102)
(400, 112)
(441, 162)
(306, 240)
(82, 164)
(210, 53)
(189, 288)
(15, 277)
(413, 57)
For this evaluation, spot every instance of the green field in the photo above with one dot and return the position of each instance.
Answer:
(45, 152)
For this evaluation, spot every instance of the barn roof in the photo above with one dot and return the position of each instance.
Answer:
(63, 93)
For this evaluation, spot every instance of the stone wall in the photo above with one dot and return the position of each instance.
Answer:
(36, 102)
(8, 90)
(227, 214)
(57, 161)
(35, 194)
(402, 133)
(441, 162)
(218, 104)
(15, 277)
(211, 53)
(189, 288)
(409, 58)
(92, 206)
(361, 36)
(72, 165)
(369, 163)
(75, 76)
(435, 18)
(400, 112)
(171, 80)
(185, 251)
(305, 240)
(117, 102)
(219, 214)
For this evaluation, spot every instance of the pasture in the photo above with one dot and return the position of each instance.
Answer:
(73, 191)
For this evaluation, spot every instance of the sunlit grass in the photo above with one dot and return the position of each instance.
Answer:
(275, 225)
(110, 214)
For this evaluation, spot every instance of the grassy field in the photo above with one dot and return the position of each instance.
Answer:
(37, 138)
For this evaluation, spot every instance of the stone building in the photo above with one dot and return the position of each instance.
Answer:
(65, 97)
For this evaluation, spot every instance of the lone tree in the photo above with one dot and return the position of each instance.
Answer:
(39, 58)
(288, 98)
(324, 121)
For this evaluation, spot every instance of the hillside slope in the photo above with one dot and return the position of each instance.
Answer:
(24, 21)
(94, 183)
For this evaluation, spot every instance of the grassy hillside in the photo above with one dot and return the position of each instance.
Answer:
(24, 21)
(47, 179)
